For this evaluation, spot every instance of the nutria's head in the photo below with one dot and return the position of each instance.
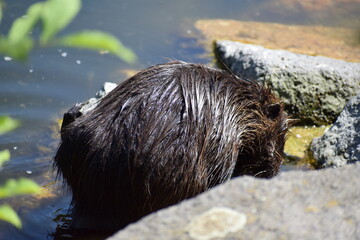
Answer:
(240, 124)
(263, 142)
(253, 123)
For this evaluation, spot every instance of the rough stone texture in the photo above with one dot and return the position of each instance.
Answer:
(93, 102)
(341, 143)
(320, 204)
(314, 89)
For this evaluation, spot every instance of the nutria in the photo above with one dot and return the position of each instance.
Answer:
(166, 134)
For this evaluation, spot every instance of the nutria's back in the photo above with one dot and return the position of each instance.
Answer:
(168, 133)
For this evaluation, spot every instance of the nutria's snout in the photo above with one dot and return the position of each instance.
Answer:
(166, 134)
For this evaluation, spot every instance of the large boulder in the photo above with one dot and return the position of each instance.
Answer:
(314, 88)
(341, 143)
(314, 205)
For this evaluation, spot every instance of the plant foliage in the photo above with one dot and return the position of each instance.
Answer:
(9, 215)
(8, 124)
(12, 187)
(54, 16)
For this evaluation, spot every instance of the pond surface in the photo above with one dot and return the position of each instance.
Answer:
(39, 91)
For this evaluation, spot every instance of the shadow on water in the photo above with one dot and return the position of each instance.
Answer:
(37, 92)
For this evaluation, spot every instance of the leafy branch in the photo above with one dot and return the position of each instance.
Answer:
(54, 16)
(12, 187)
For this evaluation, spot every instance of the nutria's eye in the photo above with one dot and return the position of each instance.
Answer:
(274, 110)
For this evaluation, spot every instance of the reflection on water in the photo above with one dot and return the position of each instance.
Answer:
(37, 92)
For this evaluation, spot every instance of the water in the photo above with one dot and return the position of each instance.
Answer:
(37, 92)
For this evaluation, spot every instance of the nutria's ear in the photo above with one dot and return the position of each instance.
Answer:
(274, 110)
(71, 115)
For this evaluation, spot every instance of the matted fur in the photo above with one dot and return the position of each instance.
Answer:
(166, 134)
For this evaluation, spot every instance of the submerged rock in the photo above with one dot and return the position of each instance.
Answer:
(294, 205)
(324, 12)
(297, 146)
(314, 89)
(334, 42)
(341, 143)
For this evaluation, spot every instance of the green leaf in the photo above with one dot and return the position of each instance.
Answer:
(98, 41)
(56, 15)
(22, 26)
(18, 44)
(18, 51)
(8, 124)
(21, 186)
(4, 156)
(9, 215)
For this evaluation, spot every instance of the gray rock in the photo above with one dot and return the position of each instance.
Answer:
(93, 102)
(341, 143)
(314, 89)
(320, 204)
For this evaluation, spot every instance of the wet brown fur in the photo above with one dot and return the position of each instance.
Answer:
(166, 134)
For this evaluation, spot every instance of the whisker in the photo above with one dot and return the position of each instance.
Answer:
(264, 171)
